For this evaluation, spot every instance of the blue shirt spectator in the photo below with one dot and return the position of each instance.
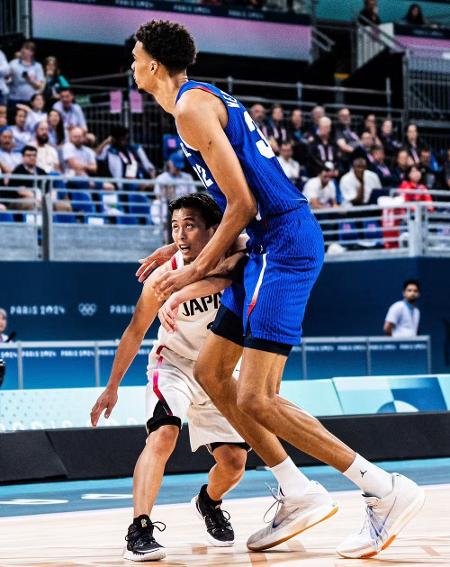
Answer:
(71, 112)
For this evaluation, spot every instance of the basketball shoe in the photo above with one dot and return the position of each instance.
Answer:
(293, 516)
(385, 517)
(217, 521)
(141, 545)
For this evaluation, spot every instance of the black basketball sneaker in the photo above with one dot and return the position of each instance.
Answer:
(141, 545)
(217, 521)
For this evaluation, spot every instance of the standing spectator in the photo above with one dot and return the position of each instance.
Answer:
(296, 136)
(370, 12)
(22, 136)
(47, 156)
(28, 192)
(35, 112)
(401, 169)
(357, 185)
(71, 112)
(4, 75)
(27, 75)
(412, 143)
(9, 157)
(4, 338)
(56, 132)
(347, 140)
(414, 16)
(321, 190)
(412, 189)
(290, 167)
(403, 317)
(378, 166)
(258, 114)
(127, 160)
(317, 113)
(79, 160)
(322, 149)
(390, 143)
(276, 128)
(54, 82)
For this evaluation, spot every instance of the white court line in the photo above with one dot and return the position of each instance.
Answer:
(101, 511)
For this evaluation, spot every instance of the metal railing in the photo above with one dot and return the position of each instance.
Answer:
(104, 219)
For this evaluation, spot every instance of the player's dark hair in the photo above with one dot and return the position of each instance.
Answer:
(411, 281)
(203, 203)
(169, 43)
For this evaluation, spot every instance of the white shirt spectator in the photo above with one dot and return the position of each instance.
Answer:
(405, 318)
(174, 185)
(33, 118)
(291, 168)
(10, 160)
(22, 138)
(4, 74)
(20, 88)
(83, 154)
(350, 186)
(73, 116)
(47, 158)
(325, 195)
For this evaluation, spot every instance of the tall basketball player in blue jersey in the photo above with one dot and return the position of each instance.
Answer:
(261, 320)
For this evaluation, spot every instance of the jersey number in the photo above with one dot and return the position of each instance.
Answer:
(262, 144)
(203, 175)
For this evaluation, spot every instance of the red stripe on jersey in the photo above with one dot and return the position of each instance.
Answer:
(174, 263)
(156, 389)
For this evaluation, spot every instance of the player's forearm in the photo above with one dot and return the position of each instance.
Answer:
(208, 286)
(126, 352)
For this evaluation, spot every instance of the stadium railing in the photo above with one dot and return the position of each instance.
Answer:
(130, 218)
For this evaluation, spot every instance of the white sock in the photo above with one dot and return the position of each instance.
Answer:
(372, 480)
(292, 481)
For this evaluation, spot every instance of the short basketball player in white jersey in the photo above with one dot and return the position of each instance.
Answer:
(172, 393)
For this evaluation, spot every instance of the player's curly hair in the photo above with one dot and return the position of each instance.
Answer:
(169, 43)
(203, 203)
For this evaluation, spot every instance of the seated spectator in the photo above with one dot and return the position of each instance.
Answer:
(22, 136)
(276, 131)
(174, 182)
(347, 140)
(365, 147)
(378, 166)
(290, 167)
(357, 185)
(54, 82)
(370, 125)
(414, 16)
(9, 157)
(3, 118)
(296, 136)
(369, 12)
(258, 114)
(4, 76)
(126, 160)
(412, 189)
(446, 171)
(321, 190)
(428, 168)
(322, 149)
(404, 161)
(390, 143)
(56, 132)
(71, 112)
(28, 193)
(35, 111)
(317, 113)
(4, 338)
(79, 160)
(412, 142)
(47, 156)
(27, 76)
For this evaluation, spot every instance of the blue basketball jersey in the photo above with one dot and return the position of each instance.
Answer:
(273, 191)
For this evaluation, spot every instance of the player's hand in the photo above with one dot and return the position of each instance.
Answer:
(150, 263)
(169, 311)
(106, 401)
(172, 281)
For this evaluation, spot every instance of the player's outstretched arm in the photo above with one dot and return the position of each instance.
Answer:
(145, 313)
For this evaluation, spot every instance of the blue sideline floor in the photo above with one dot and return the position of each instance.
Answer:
(69, 496)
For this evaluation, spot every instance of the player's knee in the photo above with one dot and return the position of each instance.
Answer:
(205, 376)
(248, 403)
(162, 441)
(232, 458)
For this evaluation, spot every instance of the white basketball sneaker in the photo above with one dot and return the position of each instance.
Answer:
(293, 516)
(385, 517)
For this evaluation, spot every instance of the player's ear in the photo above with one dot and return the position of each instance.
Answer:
(153, 66)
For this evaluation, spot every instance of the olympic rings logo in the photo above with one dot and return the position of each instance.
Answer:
(87, 309)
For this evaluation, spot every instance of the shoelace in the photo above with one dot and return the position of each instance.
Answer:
(279, 499)
(375, 526)
(146, 533)
(220, 517)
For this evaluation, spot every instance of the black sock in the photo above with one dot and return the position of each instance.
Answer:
(142, 521)
(207, 498)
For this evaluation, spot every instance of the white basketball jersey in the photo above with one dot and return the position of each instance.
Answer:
(193, 319)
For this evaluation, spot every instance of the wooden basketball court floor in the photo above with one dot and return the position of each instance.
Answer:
(96, 538)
